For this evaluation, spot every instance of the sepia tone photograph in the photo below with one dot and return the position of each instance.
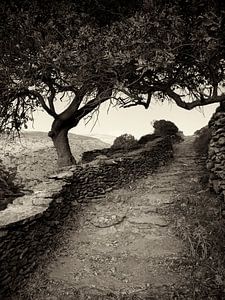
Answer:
(112, 150)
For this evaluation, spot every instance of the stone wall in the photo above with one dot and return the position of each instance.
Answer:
(149, 139)
(216, 152)
(29, 226)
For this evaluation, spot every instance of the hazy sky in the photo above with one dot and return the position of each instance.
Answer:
(136, 121)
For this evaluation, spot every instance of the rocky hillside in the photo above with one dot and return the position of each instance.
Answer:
(34, 155)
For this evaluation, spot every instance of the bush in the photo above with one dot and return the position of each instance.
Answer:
(148, 138)
(8, 187)
(201, 142)
(164, 128)
(124, 142)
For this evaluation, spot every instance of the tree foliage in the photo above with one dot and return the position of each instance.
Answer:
(49, 57)
(175, 52)
(169, 51)
(163, 128)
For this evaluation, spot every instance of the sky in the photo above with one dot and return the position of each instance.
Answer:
(136, 120)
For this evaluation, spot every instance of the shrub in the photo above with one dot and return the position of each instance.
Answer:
(202, 139)
(148, 138)
(164, 128)
(8, 187)
(124, 142)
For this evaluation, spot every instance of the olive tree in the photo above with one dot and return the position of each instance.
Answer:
(169, 51)
(54, 53)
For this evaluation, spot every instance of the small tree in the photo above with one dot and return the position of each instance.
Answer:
(124, 142)
(164, 128)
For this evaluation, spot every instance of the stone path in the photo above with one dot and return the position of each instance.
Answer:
(122, 244)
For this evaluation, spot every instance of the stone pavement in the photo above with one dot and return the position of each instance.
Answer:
(122, 243)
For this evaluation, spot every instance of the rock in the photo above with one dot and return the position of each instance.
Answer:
(211, 151)
(216, 184)
(221, 141)
(218, 167)
(101, 157)
(109, 162)
(42, 194)
(63, 175)
(3, 233)
(107, 220)
(209, 165)
(220, 122)
(41, 201)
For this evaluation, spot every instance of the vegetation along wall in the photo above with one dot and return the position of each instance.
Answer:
(28, 226)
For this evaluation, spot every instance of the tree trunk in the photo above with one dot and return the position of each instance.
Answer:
(59, 136)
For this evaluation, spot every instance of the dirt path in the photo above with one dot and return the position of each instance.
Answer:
(123, 244)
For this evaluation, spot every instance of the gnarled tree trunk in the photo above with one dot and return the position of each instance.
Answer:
(59, 136)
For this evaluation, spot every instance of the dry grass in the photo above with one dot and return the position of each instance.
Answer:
(200, 222)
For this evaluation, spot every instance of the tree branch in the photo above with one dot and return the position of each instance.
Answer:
(92, 104)
(42, 102)
(65, 88)
(199, 102)
(138, 79)
(74, 105)
(51, 99)
(135, 100)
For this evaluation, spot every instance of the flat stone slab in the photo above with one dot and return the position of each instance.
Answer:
(23, 201)
(41, 201)
(36, 199)
(16, 213)
(152, 219)
(34, 203)
(153, 199)
(51, 183)
(42, 194)
(146, 209)
(62, 175)
(107, 221)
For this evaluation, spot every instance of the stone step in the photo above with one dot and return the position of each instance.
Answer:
(151, 219)
(169, 174)
(185, 156)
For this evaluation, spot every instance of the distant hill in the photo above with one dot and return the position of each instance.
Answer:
(34, 155)
(104, 137)
(35, 140)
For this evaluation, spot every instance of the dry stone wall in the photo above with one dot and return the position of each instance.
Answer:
(29, 226)
(216, 152)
